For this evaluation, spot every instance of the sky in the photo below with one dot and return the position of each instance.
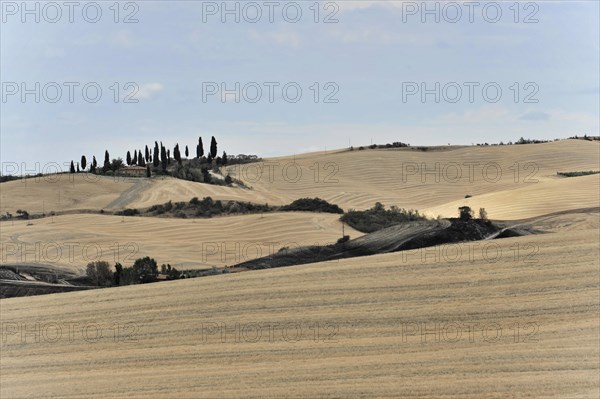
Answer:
(281, 77)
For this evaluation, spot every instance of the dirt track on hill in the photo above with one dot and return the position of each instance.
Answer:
(130, 195)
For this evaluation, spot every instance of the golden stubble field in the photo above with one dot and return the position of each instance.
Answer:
(516, 317)
(72, 241)
(430, 181)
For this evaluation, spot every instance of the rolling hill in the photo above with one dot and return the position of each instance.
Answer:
(510, 317)
(71, 241)
(382, 326)
(407, 178)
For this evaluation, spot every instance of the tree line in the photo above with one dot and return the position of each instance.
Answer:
(144, 270)
(159, 159)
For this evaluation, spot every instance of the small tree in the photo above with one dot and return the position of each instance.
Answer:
(148, 171)
(170, 272)
(465, 213)
(177, 154)
(224, 158)
(187, 152)
(83, 162)
(116, 164)
(483, 214)
(163, 158)
(100, 274)
(147, 154)
(156, 158)
(94, 164)
(135, 157)
(106, 159)
(117, 273)
(72, 169)
(199, 148)
(141, 161)
(128, 158)
(145, 270)
(213, 147)
(206, 175)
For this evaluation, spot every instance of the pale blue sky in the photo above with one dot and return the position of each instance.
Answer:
(368, 54)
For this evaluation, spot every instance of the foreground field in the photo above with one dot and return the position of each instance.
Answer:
(71, 241)
(387, 327)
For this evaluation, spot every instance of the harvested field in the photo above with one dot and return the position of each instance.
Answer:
(369, 344)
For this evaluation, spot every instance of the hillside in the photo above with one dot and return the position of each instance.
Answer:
(368, 344)
(350, 179)
(71, 241)
(400, 177)
(512, 317)
(530, 200)
(63, 192)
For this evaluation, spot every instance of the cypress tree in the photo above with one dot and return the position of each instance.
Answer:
(177, 154)
(128, 159)
(213, 147)
(199, 148)
(155, 158)
(83, 162)
(163, 158)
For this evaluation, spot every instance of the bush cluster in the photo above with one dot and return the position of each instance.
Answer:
(144, 270)
(312, 205)
(207, 207)
(378, 218)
